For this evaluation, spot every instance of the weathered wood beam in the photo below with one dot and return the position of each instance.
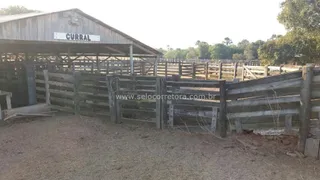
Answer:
(305, 107)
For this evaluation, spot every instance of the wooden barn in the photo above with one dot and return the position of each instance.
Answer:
(68, 40)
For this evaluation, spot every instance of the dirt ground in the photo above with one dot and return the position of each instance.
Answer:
(83, 148)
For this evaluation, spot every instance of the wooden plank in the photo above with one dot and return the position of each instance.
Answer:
(197, 103)
(249, 71)
(265, 87)
(65, 77)
(263, 113)
(267, 80)
(53, 91)
(263, 101)
(55, 83)
(305, 107)
(194, 84)
(33, 109)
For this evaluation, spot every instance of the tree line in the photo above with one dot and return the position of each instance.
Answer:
(244, 50)
(300, 45)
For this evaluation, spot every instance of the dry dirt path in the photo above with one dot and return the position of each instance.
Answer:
(69, 147)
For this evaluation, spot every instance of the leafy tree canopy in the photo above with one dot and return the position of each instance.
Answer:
(12, 10)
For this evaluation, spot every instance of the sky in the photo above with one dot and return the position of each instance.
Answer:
(177, 23)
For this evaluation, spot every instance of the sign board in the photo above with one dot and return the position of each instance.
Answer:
(75, 36)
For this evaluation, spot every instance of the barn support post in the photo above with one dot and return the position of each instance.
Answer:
(305, 106)
(31, 83)
(131, 59)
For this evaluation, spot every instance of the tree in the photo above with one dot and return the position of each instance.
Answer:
(238, 56)
(11, 10)
(300, 14)
(227, 41)
(302, 42)
(203, 49)
(220, 51)
(243, 44)
(192, 53)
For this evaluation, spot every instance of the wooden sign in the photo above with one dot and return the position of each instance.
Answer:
(75, 37)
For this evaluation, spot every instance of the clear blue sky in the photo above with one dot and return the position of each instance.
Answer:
(178, 23)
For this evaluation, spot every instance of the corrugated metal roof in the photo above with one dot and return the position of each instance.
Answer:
(4, 19)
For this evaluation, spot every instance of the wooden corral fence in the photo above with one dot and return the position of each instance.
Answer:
(186, 70)
(288, 101)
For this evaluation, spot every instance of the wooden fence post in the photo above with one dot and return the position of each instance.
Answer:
(220, 71)
(164, 110)
(305, 106)
(206, 70)
(194, 70)
(243, 72)
(235, 70)
(158, 103)
(180, 68)
(76, 98)
(166, 69)
(266, 71)
(47, 86)
(222, 123)
(114, 105)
